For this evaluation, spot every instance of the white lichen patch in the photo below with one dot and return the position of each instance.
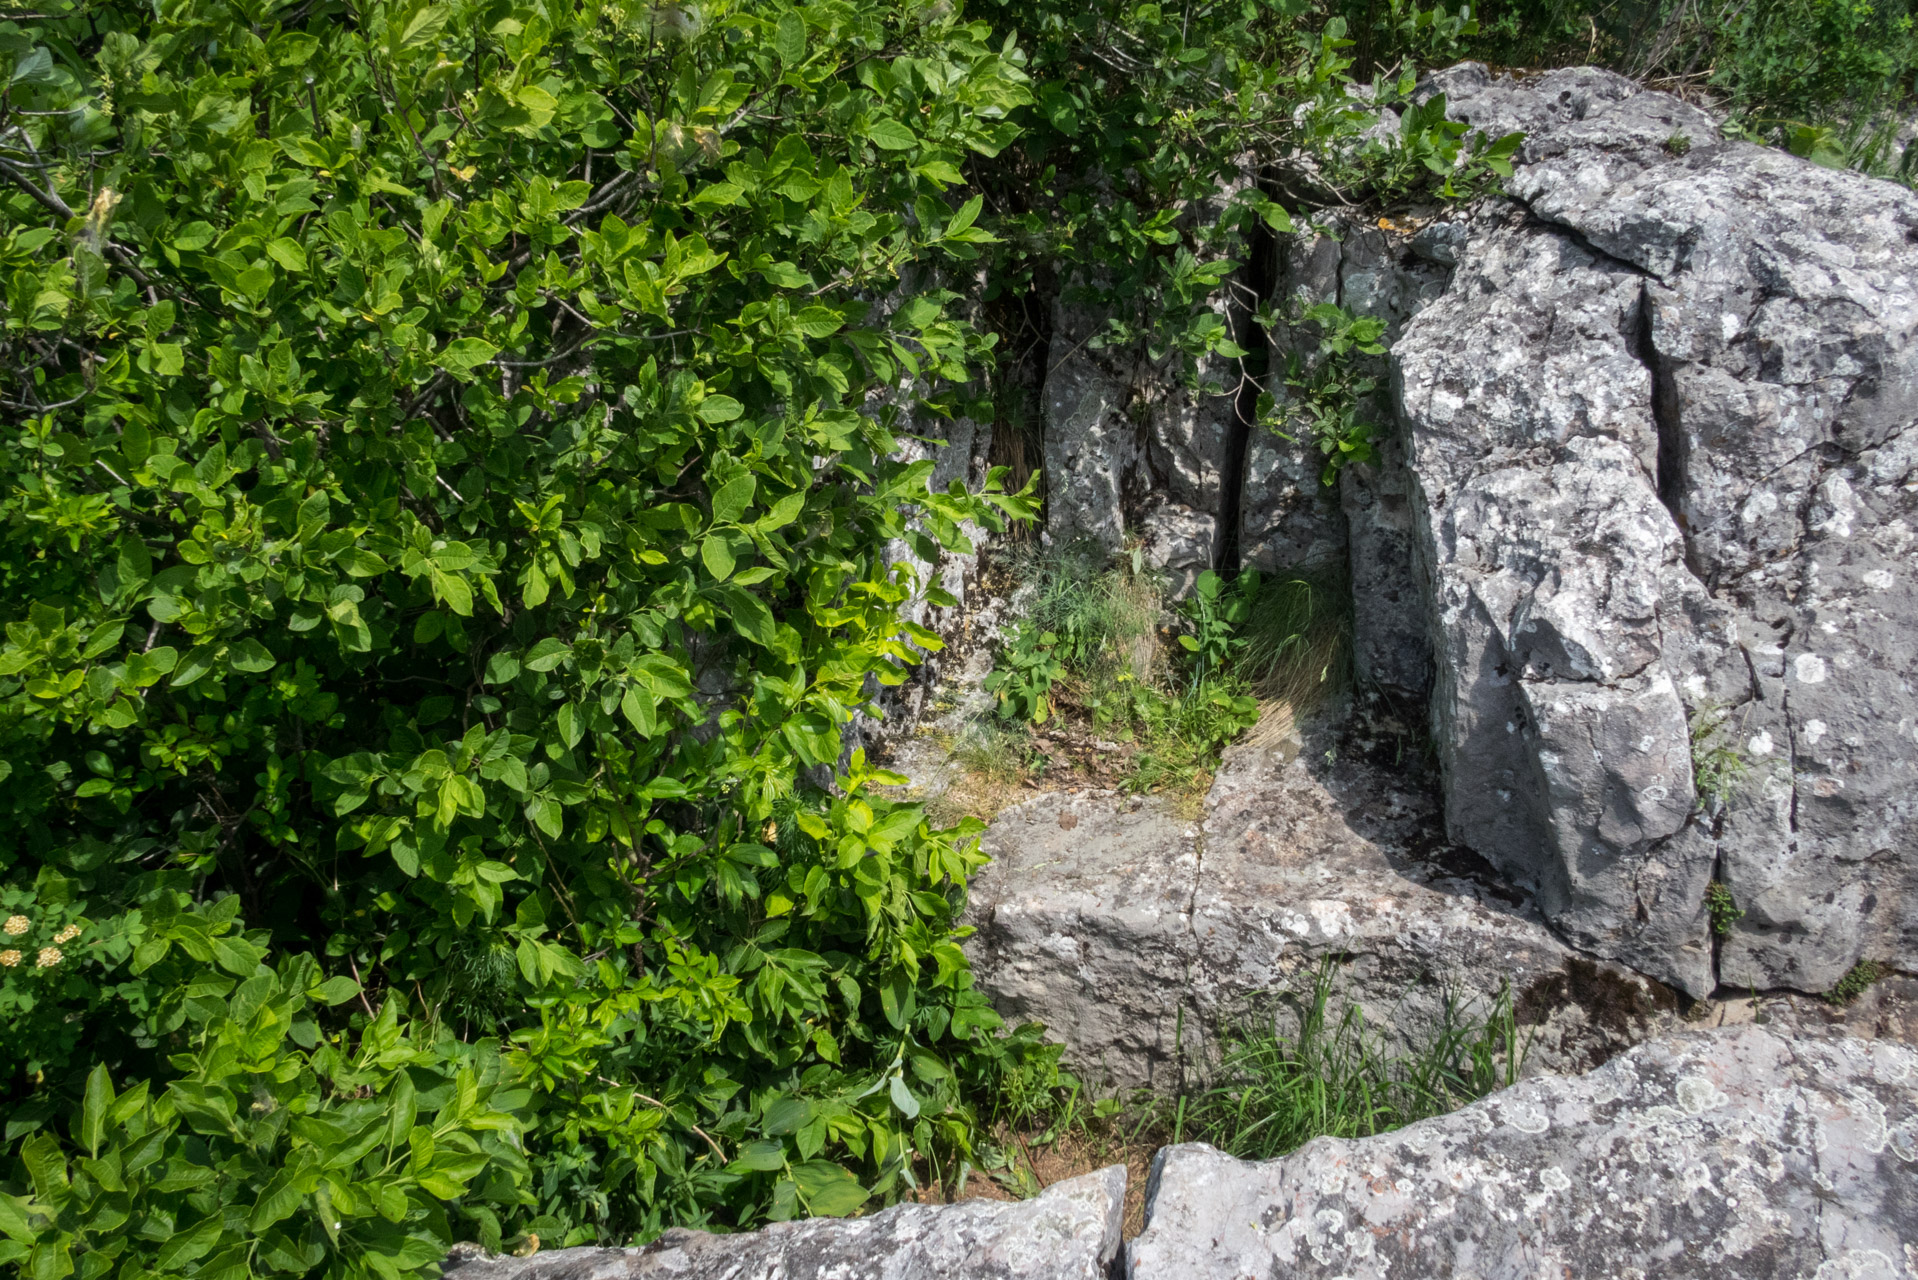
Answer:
(1809, 668)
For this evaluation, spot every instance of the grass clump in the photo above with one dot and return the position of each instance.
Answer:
(1155, 691)
(1718, 765)
(1856, 981)
(1275, 1092)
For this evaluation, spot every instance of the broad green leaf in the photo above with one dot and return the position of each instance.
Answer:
(789, 40)
(717, 556)
(95, 1108)
(463, 355)
(890, 135)
(828, 1190)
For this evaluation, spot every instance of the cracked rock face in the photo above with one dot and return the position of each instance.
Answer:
(1659, 436)
(1071, 1232)
(1743, 1154)
(1138, 938)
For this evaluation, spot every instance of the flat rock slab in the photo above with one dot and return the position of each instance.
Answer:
(1137, 935)
(1071, 1232)
(1733, 1154)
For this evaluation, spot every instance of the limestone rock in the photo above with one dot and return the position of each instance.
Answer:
(1137, 937)
(1741, 1153)
(1071, 1232)
(1657, 438)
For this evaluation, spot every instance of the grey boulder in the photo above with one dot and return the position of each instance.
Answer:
(1658, 434)
(1070, 1232)
(1735, 1156)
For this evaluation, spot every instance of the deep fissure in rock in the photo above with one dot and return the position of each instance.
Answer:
(1257, 281)
(1022, 318)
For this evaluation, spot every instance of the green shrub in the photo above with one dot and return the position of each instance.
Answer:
(445, 520)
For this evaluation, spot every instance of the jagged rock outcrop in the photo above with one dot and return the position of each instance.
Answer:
(1070, 1232)
(1138, 937)
(1658, 433)
(1743, 1154)
(1651, 471)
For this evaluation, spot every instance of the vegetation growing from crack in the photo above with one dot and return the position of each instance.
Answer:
(1719, 765)
(1297, 1072)
(1275, 1090)
(1326, 397)
(1721, 909)
(1154, 692)
(1857, 980)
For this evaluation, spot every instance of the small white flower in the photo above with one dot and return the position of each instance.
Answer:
(9, 958)
(48, 957)
(17, 925)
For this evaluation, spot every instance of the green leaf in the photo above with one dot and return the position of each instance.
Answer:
(547, 654)
(717, 556)
(288, 254)
(828, 1190)
(789, 39)
(890, 135)
(249, 656)
(463, 355)
(190, 1245)
(730, 503)
(335, 990)
(277, 1201)
(720, 409)
(95, 1109)
(763, 1155)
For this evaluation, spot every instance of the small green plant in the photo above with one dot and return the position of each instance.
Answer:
(1722, 909)
(1718, 765)
(1216, 611)
(1274, 1092)
(1029, 665)
(1327, 389)
(1678, 144)
(1447, 158)
(1855, 982)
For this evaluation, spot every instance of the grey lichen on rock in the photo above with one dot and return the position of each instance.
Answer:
(1658, 431)
(1736, 1154)
(1070, 1232)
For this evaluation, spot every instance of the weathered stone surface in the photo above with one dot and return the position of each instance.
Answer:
(1136, 937)
(1070, 1232)
(1657, 433)
(1732, 1154)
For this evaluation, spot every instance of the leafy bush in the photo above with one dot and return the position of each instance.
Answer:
(446, 519)
(1327, 392)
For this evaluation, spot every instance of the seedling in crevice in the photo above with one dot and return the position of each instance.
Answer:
(1723, 910)
(1718, 766)
(1855, 982)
